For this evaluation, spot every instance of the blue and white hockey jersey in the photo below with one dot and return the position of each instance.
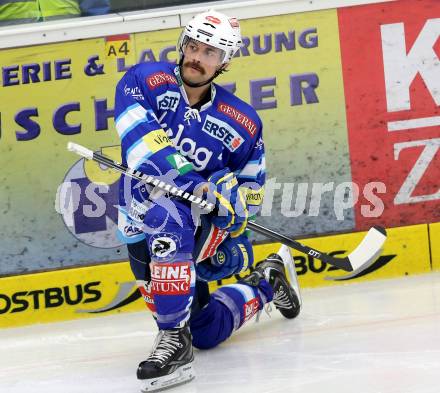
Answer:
(160, 132)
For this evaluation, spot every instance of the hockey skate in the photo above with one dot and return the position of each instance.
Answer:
(286, 298)
(170, 362)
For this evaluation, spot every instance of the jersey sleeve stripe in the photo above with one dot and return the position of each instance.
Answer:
(137, 154)
(253, 168)
(130, 118)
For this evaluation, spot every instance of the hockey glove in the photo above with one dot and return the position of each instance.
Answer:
(233, 256)
(230, 201)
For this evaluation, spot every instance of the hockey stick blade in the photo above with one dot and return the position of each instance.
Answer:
(369, 248)
(359, 271)
(359, 259)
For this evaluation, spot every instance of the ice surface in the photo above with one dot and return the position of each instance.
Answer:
(376, 337)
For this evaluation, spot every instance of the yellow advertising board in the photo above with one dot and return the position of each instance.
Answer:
(434, 238)
(68, 294)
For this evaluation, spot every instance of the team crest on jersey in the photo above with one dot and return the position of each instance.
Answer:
(159, 79)
(223, 132)
(239, 117)
(164, 245)
(168, 101)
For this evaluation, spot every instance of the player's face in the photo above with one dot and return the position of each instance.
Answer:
(201, 61)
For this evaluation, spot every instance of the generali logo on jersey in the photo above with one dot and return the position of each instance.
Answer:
(159, 79)
(393, 106)
(170, 278)
(239, 117)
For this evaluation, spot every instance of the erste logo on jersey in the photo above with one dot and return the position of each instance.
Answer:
(159, 79)
(168, 101)
(224, 132)
(239, 117)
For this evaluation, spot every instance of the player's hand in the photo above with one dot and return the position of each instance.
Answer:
(230, 202)
(233, 256)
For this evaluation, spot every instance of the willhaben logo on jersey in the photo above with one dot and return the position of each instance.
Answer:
(170, 278)
(239, 117)
(224, 132)
(159, 79)
(187, 147)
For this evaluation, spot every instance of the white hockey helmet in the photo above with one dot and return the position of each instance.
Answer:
(215, 29)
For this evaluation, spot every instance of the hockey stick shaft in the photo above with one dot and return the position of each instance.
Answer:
(340, 262)
(358, 259)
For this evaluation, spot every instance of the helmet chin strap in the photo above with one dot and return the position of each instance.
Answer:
(199, 84)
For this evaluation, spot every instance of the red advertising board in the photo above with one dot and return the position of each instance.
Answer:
(391, 68)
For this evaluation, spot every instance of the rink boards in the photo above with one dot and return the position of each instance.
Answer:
(109, 288)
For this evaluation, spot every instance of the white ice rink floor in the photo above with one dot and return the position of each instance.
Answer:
(377, 337)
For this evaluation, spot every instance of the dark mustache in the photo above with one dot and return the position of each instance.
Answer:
(194, 65)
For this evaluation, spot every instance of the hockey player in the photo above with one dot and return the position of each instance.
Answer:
(176, 124)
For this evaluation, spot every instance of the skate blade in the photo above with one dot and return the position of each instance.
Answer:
(286, 256)
(182, 375)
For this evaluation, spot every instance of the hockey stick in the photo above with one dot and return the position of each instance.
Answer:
(359, 259)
